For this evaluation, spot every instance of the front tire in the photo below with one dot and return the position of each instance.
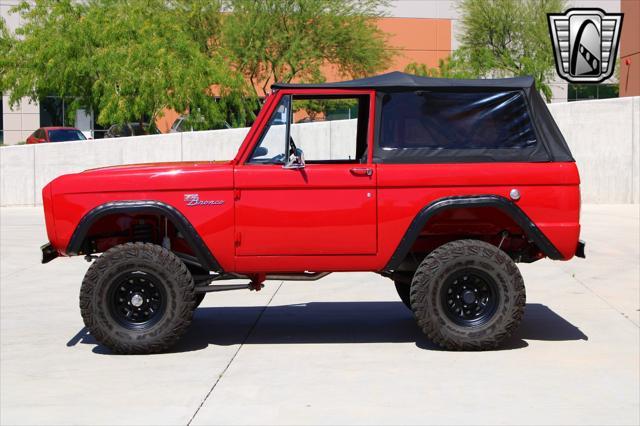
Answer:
(468, 295)
(137, 298)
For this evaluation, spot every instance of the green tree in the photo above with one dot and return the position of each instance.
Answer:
(128, 60)
(6, 41)
(502, 38)
(282, 40)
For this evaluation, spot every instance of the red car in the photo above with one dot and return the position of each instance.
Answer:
(56, 134)
(441, 185)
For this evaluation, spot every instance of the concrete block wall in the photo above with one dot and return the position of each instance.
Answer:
(20, 121)
(604, 136)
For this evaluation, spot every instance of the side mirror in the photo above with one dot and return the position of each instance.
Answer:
(260, 151)
(295, 161)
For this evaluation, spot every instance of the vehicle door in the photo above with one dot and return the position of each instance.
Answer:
(307, 185)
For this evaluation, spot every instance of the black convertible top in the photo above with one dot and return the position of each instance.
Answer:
(400, 80)
(459, 115)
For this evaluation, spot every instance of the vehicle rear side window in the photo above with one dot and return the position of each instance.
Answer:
(433, 126)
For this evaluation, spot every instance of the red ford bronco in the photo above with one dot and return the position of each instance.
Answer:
(440, 185)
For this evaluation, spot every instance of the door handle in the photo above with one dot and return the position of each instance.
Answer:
(361, 171)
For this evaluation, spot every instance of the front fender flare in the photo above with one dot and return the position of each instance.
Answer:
(191, 236)
(508, 207)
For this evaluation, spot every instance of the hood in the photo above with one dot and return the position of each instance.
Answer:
(175, 165)
(148, 177)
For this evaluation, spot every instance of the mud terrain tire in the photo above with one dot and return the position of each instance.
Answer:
(137, 298)
(471, 274)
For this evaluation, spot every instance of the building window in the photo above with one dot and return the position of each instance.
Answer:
(1, 124)
(583, 92)
(53, 113)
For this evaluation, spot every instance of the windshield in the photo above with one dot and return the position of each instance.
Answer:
(63, 135)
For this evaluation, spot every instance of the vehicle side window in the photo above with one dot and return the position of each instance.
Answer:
(432, 126)
(327, 129)
(270, 148)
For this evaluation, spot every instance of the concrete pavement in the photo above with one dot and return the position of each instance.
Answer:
(341, 350)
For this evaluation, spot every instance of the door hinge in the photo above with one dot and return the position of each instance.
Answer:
(236, 194)
(238, 239)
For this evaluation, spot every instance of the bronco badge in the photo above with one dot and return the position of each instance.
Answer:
(194, 200)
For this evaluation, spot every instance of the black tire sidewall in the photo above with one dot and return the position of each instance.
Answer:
(177, 289)
(101, 303)
(428, 285)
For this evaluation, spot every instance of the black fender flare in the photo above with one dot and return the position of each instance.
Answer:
(191, 236)
(508, 207)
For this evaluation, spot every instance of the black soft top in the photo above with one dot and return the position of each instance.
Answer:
(552, 146)
(398, 80)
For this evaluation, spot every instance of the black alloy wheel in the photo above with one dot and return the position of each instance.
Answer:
(137, 300)
(469, 297)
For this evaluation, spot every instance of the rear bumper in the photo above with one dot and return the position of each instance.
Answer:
(48, 253)
(580, 249)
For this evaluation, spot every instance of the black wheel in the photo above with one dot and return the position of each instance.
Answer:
(468, 295)
(137, 298)
(404, 289)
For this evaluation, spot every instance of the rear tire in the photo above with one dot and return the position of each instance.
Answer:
(468, 295)
(137, 298)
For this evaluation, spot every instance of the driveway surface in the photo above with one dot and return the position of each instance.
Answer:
(342, 350)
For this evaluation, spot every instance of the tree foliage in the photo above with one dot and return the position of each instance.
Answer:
(282, 40)
(130, 60)
(127, 60)
(502, 38)
(6, 41)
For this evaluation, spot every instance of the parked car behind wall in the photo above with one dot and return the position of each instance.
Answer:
(55, 134)
(130, 129)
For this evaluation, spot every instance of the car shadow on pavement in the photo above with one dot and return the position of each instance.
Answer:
(336, 322)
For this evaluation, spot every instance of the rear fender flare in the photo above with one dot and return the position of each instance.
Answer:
(508, 207)
(191, 236)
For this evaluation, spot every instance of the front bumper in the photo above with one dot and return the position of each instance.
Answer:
(580, 249)
(48, 253)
